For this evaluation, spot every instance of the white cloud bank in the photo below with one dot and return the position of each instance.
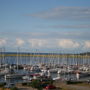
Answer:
(2, 41)
(37, 43)
(87, 44)
(53, 43)
(68, 43)
(19, 42)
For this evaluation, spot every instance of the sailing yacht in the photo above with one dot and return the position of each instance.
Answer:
(3, 67)
(13, 74)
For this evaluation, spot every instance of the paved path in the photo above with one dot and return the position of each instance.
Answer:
(71, 87)
(61, 85)
(75, 87)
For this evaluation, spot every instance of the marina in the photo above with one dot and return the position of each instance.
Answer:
(44, 68)
(18, 67)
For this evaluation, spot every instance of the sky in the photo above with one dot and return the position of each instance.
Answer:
(45, 25)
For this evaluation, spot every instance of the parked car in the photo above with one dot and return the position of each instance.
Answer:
(50, 87)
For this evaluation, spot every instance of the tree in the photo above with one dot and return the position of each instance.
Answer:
(36, 84)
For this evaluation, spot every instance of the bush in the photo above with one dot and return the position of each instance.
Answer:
(14, 88)
(74, 82)
(36, 84)
(46, 82)
(2, 84)
(28, 84)
(50, 82)
(24, 84)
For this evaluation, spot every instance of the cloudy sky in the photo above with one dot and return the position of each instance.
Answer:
(45, 25)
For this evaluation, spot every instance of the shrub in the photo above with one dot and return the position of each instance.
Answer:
(74, 82)
(14, 88)
(29, 84)
(2, 84)
(24, 84)
(36, 84)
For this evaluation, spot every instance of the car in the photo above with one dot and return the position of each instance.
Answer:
(48, 87)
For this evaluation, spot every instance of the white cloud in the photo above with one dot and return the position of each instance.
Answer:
(68, 43)
(19, 42)
(2, 42)
(38, 42)
(87, 44)
(53, 43)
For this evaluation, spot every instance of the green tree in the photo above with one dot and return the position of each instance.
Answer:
(36, 84)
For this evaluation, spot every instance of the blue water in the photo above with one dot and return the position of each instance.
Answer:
(46, 60)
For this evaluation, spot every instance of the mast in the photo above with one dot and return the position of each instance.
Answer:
(17, 58)
(0, 57)
(3, 55)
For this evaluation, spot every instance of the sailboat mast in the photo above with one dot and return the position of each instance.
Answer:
(17, 58)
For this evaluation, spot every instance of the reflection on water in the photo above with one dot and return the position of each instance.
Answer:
(46, 60)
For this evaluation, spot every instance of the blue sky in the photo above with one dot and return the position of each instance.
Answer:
(46, 25)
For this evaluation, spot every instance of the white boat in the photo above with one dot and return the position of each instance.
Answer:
(26, 78)
(4, 71)
(54, 70)
(57, 78)
(13, 76)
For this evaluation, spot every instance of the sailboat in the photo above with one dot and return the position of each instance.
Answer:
(3, 67)
(13, 74)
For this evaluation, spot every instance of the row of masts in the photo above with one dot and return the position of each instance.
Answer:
(43, 58)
